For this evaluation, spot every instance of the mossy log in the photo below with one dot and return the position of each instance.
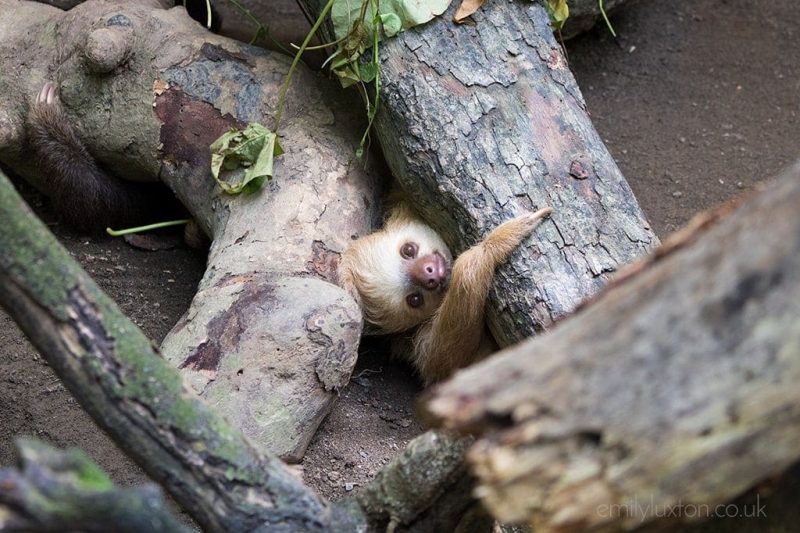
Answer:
(675, 387)
(206, 464)
(137, 396)
(63, 490)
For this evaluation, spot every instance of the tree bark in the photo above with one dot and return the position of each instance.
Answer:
(270, 337)
(479, 122)
(426, 489)
(54, 490)
(115, 373)
(677, 386)
(206, 464)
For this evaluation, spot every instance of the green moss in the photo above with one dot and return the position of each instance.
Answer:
(153, 381)
(29, 252)
(27, 249)
(90, 476)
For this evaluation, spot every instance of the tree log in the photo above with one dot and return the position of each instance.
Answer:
(206, 464)
(676, 386)
(54, 490)
(480, 122)
(114, 372)
(269, 338)
(427, 488)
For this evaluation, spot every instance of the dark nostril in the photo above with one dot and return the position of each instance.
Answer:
(428, 272)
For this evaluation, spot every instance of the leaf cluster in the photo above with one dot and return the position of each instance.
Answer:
(252, 150)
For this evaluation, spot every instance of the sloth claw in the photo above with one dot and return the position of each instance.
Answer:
(48, 95)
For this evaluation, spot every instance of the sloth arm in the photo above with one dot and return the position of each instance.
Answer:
(455, 337)
(84, 196)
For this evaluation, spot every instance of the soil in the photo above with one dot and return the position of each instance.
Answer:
(697, 101)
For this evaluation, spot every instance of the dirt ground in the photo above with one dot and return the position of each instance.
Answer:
(697, 100)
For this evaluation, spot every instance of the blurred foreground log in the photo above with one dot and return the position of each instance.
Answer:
(206, 464)
(136, 396)
(677, 385)
(55, 490)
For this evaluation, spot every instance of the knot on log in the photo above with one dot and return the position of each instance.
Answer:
(108, 48)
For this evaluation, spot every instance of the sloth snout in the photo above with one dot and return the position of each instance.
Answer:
(429, 271)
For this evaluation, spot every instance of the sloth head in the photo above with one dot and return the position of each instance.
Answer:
(400, 273)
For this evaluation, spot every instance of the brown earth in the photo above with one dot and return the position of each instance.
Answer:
(697, 100)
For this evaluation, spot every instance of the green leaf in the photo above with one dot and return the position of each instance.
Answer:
(410, 13)
(347, 75)
(558, 11)
(253, 148)
(367, 71)
(392, 25)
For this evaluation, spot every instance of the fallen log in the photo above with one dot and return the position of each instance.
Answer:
(205, 463)
(676, 386)
(479, 122)
(55, 490)
(269, 338)
(115, 373)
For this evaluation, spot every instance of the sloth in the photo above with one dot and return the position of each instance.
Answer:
(85, 197)
(402, 278)
(401, 275)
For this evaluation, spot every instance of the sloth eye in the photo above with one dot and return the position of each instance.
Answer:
(409, 250)
(414, 300)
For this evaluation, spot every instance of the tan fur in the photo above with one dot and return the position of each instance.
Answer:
(451, 330)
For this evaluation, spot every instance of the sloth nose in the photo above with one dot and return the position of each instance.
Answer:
(429, 271)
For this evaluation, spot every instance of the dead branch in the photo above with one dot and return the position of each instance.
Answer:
(676, 386)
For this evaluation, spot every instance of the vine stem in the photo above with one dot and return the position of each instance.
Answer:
(373, 109)
(296, 60)
(608, 23)
(149, 227)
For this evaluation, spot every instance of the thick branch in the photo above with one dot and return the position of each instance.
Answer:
(482, 121)
(270, 337)
(677, 386)
(54, 490)
(427, 488)
(115, 373)
(207, 466)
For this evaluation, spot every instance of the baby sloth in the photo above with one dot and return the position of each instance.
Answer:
(402, 277)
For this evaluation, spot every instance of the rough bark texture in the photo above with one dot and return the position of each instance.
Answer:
(677, 386)
(269, 338)
(55, 490)
(482, 121)
(114, 372)
(427, 488)
(206, 464)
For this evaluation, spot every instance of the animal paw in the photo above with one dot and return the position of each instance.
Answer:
(48, 95)
(532, 219)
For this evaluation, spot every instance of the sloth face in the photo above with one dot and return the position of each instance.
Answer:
(400, 273)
